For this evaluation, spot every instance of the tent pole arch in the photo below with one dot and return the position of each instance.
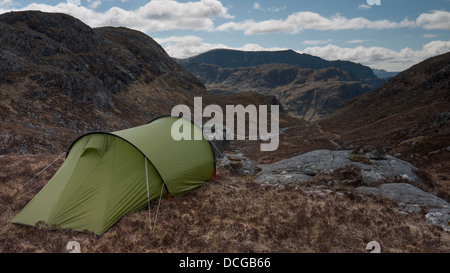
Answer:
(102, 178)
(144, 155)
(201, 128)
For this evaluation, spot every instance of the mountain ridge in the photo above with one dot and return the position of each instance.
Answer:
(408, 117)
(229, 58)
(302, 92)
(54, 89)
(60, 78)
(306, 86)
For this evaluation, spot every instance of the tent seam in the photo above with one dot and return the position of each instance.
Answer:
(111, 134)
(201, 128)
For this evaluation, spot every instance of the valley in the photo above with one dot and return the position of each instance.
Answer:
(357, 154)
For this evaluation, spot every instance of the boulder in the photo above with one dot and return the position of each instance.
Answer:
(441, 219)
(238, 164)
(404, 193)
(375, 166)
(411, 199)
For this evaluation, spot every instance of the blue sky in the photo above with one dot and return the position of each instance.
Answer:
(393, 35)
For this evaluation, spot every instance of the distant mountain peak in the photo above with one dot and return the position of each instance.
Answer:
(230, 58)
(383, 74)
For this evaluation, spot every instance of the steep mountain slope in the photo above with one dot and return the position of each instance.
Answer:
(306, 86)
(414, 103)
(60, 78)
(303, 92)
(409, 116)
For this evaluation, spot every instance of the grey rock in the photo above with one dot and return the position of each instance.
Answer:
(409, 208)
(238, 164)
(29, 125)
(370, 152)
(411, 199)
(369, 190)
(305, 166)
(441, 150)
(376, 155)
(408, 194)
(371, 175)
(441, 119)
(441, 219)
(274, 179)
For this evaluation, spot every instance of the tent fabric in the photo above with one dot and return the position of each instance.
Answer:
(104, 176)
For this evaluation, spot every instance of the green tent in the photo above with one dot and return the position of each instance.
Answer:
(106, 175)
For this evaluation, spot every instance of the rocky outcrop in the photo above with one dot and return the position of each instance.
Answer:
(411, 199)
(306, 86)
(372, 165)
(303, 92)
(403, 115)
(60, 78)
(237, 164)
(405, 193)
(353, 168)
(61, 53)
(441, 219)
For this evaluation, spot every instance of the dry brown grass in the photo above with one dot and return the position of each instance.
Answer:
(229, 215)
(360, 158)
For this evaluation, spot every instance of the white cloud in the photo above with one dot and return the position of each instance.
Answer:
(159, 15)
(379, 57)
(429, 36)
(364, 7)
(156, 15)
(93, 4)
(299, 21)
(357, 41)
(188, 46)
(375, 57)
(6, 3)
(276, 9)
(306, 20)
(257, 6)
(436, 20)
(316, 42)
(74, 2)
(256, 47)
